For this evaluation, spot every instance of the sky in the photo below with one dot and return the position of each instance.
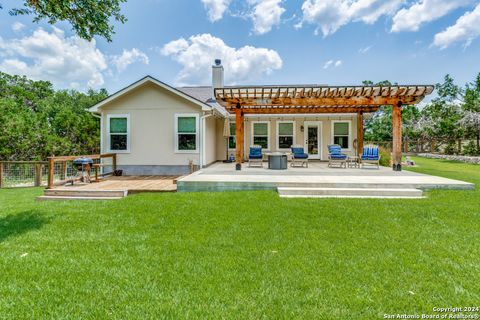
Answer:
(335, 42)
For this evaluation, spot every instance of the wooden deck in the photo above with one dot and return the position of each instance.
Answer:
(132, 184)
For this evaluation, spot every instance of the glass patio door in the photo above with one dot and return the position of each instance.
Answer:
(312, 135)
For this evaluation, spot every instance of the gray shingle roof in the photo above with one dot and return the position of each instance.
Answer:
(199, 93)
(204, 94)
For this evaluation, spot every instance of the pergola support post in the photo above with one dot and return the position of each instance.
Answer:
(239, 137)
(360, 134)
(397, 136)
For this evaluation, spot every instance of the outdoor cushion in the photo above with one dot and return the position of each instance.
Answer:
(334, 149)
(338, 156)
(255, 153)
(297, 150)
(300, 156)
(369, 158)
(370, 153)
(299, 153)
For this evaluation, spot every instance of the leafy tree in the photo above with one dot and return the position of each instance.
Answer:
(445, 112)
(471, 107)
(38, 122)
(379, 127)
(87, 17)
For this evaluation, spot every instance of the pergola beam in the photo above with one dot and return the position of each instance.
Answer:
(282, 110)
(397, 137)
(239, 134)
(359, 134)
(318, 102)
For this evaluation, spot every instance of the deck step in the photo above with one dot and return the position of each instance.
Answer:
(86, 193)
(65, 198)
(305, 192)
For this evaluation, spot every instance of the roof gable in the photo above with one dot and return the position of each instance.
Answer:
(149, 79)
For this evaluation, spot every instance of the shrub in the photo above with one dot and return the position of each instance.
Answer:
(385, 157)
(451, 148)
(471, 149)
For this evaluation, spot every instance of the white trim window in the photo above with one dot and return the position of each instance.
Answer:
(186, 133)
(261, 134)
(285, 134)
(342, 133)
(232, 139)
(118, 133)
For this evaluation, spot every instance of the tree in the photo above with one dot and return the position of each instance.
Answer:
(38, 122)
(378, 127)
(471, 107)
(87, 17)
(444, 112)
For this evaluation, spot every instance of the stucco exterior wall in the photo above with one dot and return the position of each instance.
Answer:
(210, 140)
(152, 127)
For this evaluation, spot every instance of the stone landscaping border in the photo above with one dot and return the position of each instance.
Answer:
(467, 159)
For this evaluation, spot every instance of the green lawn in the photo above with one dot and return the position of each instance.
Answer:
(244, 255)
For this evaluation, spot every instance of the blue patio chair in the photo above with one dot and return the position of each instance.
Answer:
(335, 156)
(370, 155)
(299, 157)
(255, 156)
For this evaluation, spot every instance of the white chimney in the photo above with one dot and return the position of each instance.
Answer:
(217, 75)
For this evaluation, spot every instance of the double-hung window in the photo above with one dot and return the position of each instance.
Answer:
(341, 133)
(118, 132)
(186, 133)
(285, 134)
(260, 134)
(232, 140)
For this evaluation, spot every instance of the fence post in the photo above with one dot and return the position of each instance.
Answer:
(38, 175)
(51, 168)
(114, 162)
(1, 175)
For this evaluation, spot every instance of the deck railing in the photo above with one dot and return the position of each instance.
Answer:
(61, 169)
(23, 173)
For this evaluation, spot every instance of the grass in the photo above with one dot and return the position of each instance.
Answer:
(245, 255)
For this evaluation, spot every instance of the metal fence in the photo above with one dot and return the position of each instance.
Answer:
(425, 145)
(23, 174)
(55, 171)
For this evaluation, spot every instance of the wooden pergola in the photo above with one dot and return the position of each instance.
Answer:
(315, 99)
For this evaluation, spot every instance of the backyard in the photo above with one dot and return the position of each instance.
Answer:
(241, 255)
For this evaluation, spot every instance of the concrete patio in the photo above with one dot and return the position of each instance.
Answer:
(224, 177)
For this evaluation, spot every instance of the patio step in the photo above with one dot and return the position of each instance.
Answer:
(64, 198)
(303, 192)
(65, 194)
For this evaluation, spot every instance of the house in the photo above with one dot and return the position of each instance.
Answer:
(157, 129)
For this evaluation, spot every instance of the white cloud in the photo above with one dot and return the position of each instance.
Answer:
(364, 50)
(330, 15)
(266, 14)
(18, 26)
(332, 63)
(423, 11)
(465, 29)
(197, 54)
(121, 62)
(66, 61)
(215, 8)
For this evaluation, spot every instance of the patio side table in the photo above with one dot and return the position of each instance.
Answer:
(277, 161)
(353, 162)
